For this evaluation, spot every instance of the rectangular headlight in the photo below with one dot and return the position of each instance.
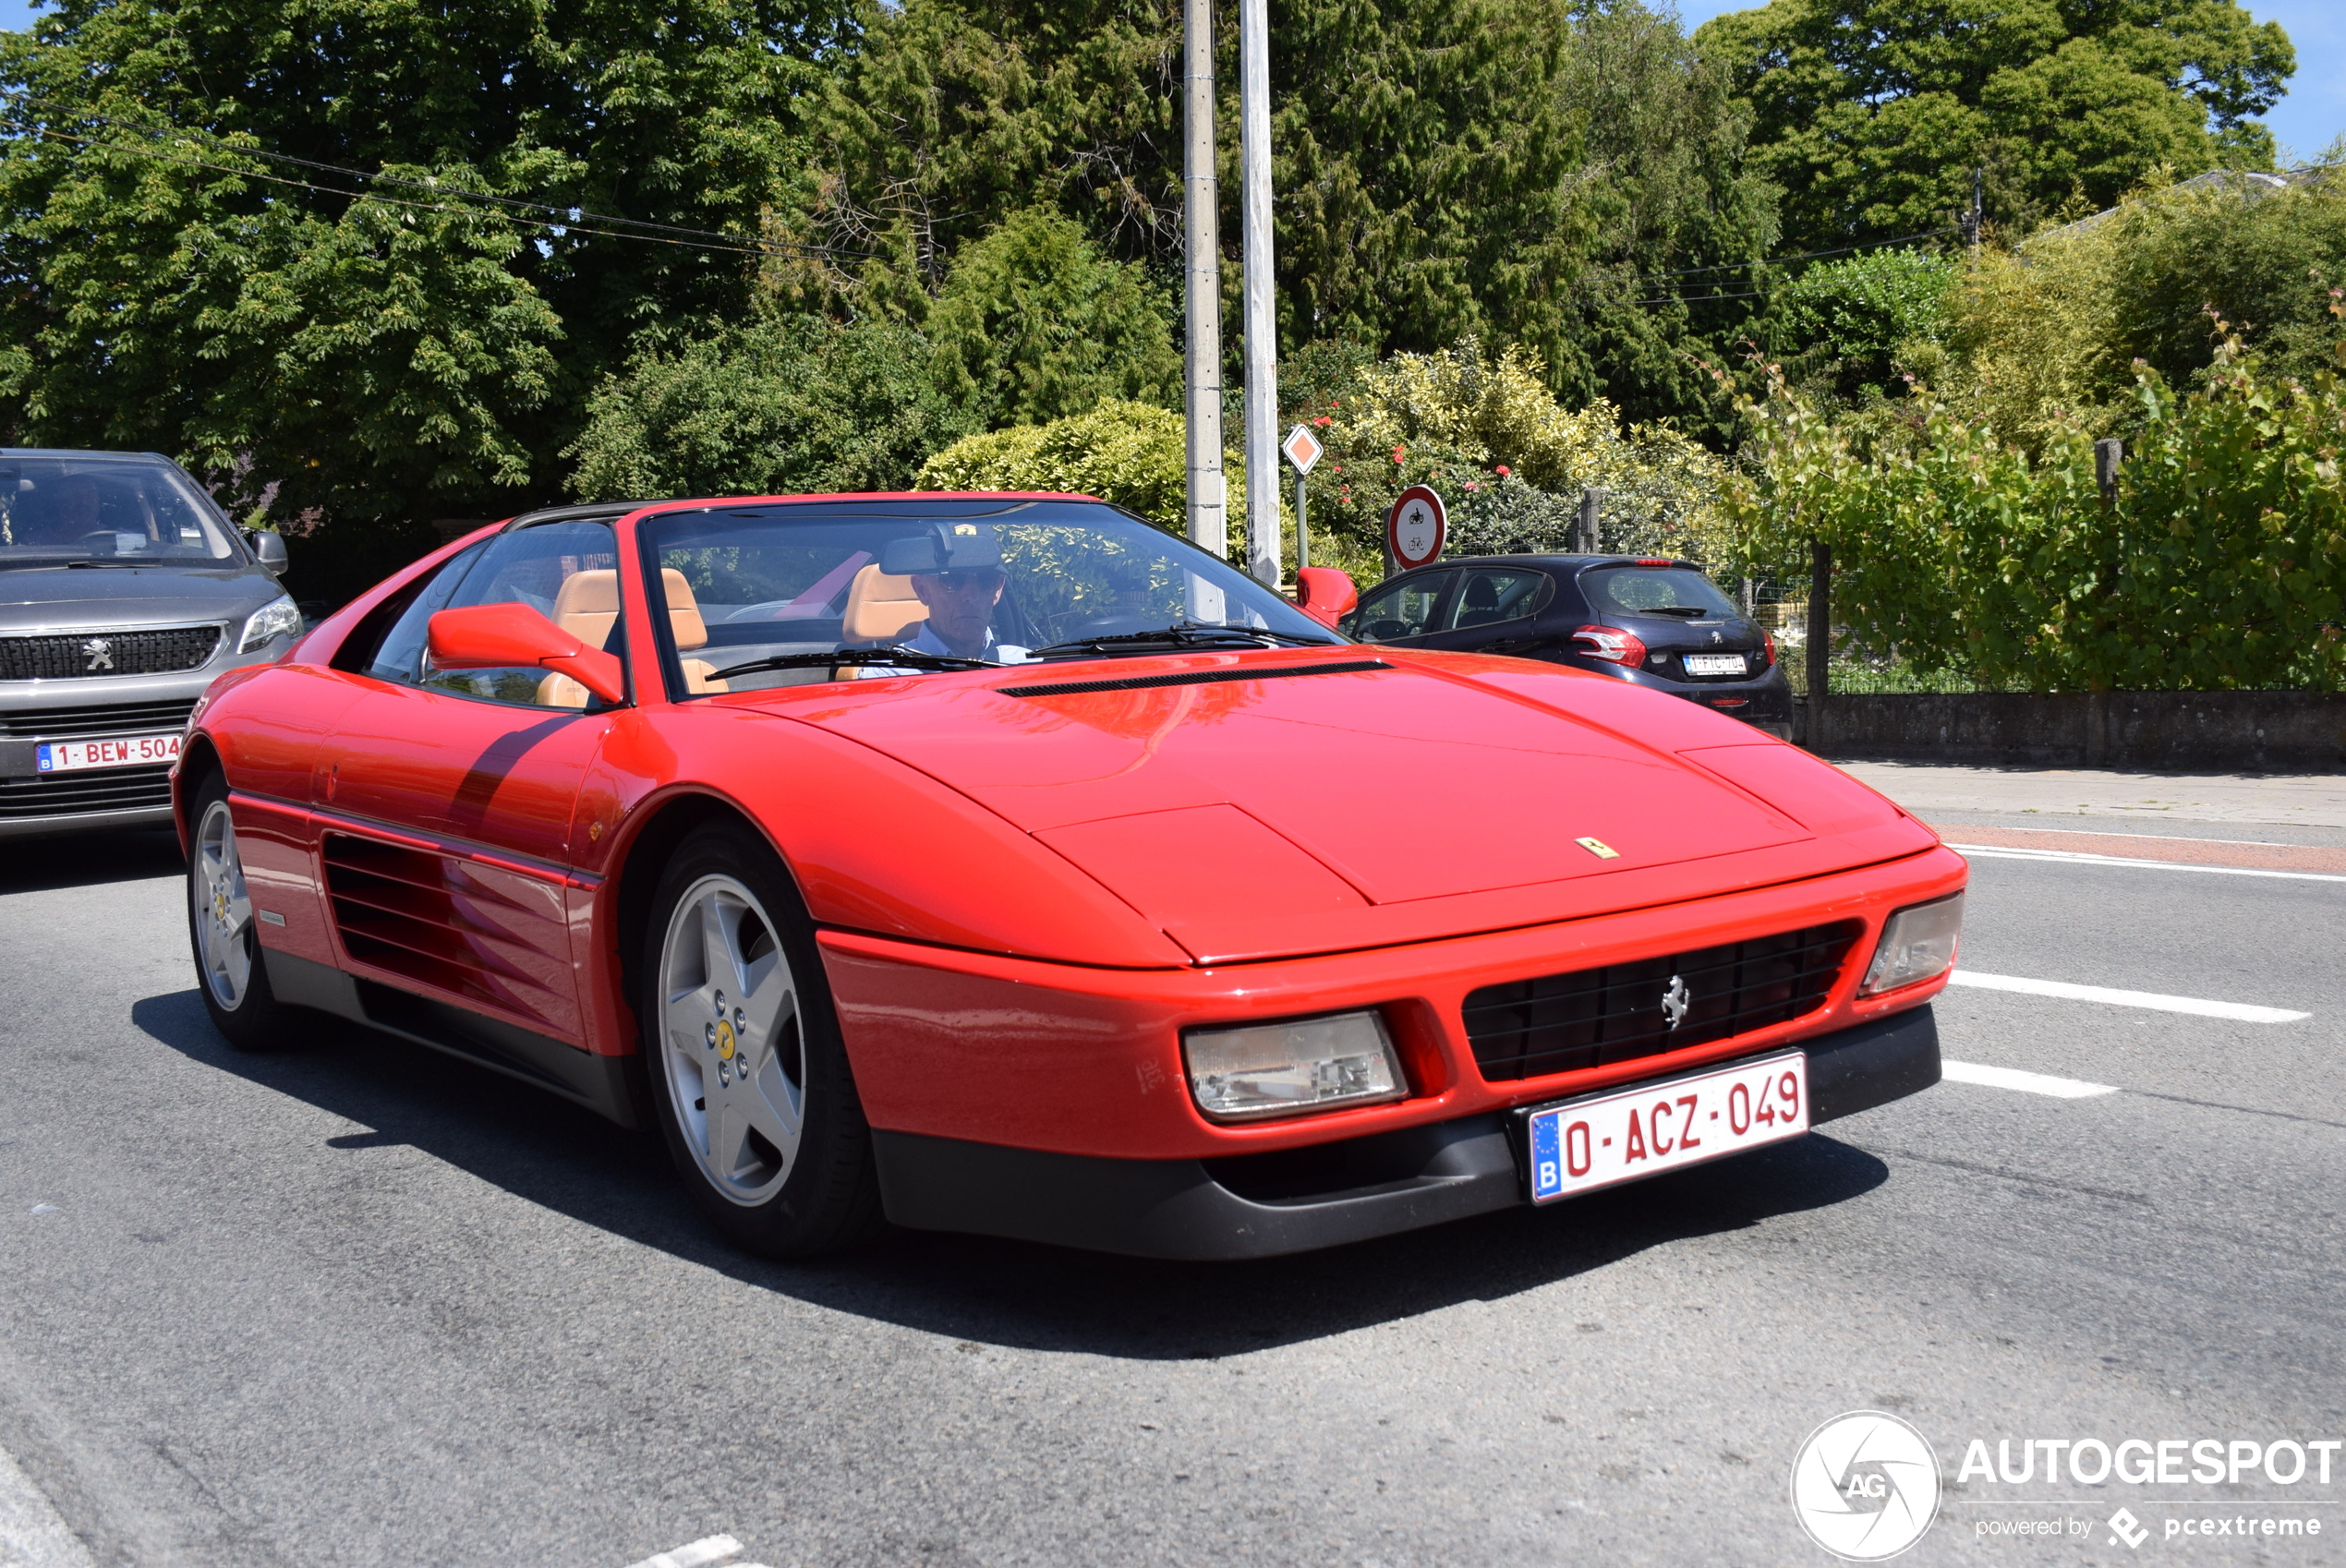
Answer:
(1297, 1065)
(1916, 943)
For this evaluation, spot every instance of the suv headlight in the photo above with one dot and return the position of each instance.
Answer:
(1291, 1067)
(1916, 943)
(277, 617)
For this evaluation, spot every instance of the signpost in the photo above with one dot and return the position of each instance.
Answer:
(1302, 448)
(1414, 529)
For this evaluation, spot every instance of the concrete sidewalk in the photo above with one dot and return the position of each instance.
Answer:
(1935, 792)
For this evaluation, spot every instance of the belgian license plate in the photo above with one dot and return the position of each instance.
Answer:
(1714, 664)
(1581, 1145)
(125, 751)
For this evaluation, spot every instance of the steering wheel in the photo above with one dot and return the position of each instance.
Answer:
(1110, 626)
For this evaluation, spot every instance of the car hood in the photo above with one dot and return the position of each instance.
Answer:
(1248, 808)
(104, 596)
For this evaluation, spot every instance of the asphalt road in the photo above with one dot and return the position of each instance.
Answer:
(363, 1304)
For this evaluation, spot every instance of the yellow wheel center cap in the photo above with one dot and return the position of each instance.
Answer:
(725, 1043)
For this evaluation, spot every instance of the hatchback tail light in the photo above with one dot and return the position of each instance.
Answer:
(1611, 644)
(1768, 646)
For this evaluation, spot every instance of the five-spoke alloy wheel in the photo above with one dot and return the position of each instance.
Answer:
(234, 981)
(747, 1071)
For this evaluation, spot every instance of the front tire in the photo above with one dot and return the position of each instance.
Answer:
(749, 1075)
(229, 971)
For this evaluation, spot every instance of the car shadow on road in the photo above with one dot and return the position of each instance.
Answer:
(985, 1291)
(92, 859)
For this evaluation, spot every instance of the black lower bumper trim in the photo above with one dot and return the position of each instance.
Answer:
(1297, 1201)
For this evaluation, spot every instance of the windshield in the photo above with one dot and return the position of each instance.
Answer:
(1677, 591)
(105, 510)
(1000, 580)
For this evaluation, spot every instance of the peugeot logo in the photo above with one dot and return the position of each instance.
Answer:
(1675, 1001)
(99, 653)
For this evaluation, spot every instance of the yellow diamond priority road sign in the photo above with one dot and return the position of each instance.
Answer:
(1302, 447)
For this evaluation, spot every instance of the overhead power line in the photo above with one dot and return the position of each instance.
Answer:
(575, 220)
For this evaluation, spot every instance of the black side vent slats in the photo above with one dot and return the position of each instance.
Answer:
(1596, 1017)
(1193, 678)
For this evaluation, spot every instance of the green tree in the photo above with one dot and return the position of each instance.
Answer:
(1874, 113)
(1033, 323)
(369, 348)
(773, 407)
(1539, 171)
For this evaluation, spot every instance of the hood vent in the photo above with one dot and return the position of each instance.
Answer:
(1192, 678)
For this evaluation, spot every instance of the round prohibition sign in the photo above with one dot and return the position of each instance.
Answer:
(1416, 527)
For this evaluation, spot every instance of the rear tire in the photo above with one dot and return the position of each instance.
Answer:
(749, 1076)
(230, 972)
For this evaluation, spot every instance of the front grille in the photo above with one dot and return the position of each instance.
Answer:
(74, 656)
(98, 718)
(73, 794)
(1596, 1017)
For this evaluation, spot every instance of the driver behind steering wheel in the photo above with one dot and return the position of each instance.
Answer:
(958, 575)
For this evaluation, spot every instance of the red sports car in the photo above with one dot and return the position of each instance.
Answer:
(1002, 864)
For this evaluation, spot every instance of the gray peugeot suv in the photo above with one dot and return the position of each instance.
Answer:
(124, 589)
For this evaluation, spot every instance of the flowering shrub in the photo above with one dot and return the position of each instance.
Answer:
(1509, 459)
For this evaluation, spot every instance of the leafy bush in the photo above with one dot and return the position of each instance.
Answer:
(2221, 565)
(1034, 324)
(2047, 336)
(1856, 321)
(1131, 453)
(779, 405)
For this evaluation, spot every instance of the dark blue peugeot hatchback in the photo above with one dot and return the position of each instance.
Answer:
(1655, 623)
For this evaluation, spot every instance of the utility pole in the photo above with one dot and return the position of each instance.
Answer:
(1201, 370)
(1591, 499)
(1261, 328)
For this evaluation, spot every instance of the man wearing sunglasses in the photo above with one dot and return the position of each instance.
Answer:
(959, 577)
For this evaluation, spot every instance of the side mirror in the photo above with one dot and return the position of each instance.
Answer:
(271, 549)
(502, 636)
(1324, 593)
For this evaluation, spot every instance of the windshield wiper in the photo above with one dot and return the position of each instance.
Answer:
(1184, 634)
(901, 657)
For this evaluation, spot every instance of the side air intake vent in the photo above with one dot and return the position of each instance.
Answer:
(1193, 678)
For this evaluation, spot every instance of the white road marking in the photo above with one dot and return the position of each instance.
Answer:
(1998, 852)
(694, 1554)
(2026, 1082)
(2241, 1012)
(31, 1536)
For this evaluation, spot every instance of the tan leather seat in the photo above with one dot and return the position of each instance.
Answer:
(881, 607)
(587, 608)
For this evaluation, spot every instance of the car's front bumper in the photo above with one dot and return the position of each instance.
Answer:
(1322, 1194)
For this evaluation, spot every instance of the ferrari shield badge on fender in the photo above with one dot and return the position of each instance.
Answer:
(1599, 847)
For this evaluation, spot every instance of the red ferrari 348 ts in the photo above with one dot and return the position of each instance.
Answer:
(1001, 864)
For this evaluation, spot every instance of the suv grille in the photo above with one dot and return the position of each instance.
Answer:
(99, 718)
(71, 655)
(70, 794)
(1596, 1017)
